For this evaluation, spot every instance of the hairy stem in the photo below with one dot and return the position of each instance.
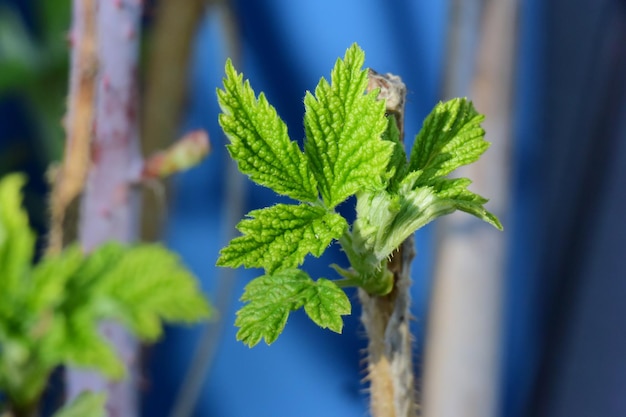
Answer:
(386, 318)
(110, 202)
(69, 181)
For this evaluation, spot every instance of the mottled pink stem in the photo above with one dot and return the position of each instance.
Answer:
(109, 209)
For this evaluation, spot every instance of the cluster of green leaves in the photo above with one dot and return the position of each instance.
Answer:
(49, 313)
(351, 148)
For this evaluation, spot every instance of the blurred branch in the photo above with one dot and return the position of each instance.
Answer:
(462, 354)
(464, 22)
(174, 29)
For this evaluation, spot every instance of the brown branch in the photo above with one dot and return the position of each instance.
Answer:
(386, 318)
(70, 179)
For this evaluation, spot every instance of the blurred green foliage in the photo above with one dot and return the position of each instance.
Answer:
(50, 311)
(34, 70)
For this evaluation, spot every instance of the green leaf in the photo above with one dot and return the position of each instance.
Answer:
(139, 286)
(50, 313)
(64, 295)
(83, 346)
(49, 283)
(87, 404)
(325, 305)
(456, 193)
(343, 128)
(270, 299)
(16, 238)
(450, 137)
(259, 141)
(398, 164)
(146, 286)
(281, 236)
(385, 220)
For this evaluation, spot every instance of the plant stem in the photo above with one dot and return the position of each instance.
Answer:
(110, 202)
(71, 176)
(386, 318)
(175, 25)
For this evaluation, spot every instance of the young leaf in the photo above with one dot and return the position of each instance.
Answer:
(139, 286)
(259, 140)
(450, 137)
(146, 286)
(49, 285)
(83, 346)
(398, 164)
(281, 236)
(456, 193)
(270, 299)
(385, 220)
(325, 304)
(17, 240)
(50, 313)
(64, 292)
(343, 128)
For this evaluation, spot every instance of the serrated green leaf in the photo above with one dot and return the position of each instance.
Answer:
(398, 163)
(83, 346)
(451, 136)
(69, 294)
(326, 304)
(146, 286)
(140, 287)
(50, 313)
(455, 191)
(17, 240)
(87, 404)
(343, 128)
(48, 285)
(281, 236)
(259, 141)
(270, 298)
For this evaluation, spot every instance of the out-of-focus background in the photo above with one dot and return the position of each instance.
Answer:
(540, 309)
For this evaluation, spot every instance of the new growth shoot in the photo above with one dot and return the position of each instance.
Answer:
(351, 148)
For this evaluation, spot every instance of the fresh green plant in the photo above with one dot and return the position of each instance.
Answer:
(351, 148)
(49, 313)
